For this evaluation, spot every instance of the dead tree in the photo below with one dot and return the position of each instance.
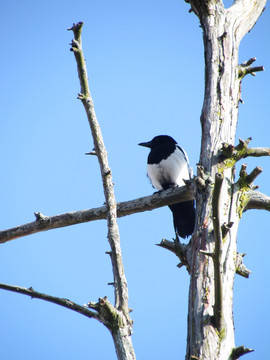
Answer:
(211, 256)
(221, 199)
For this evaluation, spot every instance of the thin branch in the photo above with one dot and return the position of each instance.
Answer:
(248, 62)
(121, 291)
(257, 200)
(243, 171)
(53, 299)
(104, 311)
(179, 249)
(257, 152)
(248, 198)
(254, 173)
(76, 47)
(218, 306)
(239, 351)
(146, 203)
(245, 68)
(122, 328)
(240, 268)
(246, 180)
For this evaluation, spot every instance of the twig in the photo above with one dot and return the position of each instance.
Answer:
(257, 152)
(146, 203)
(248, 62)
(243, 171)
(179, 249)
(104, 311)
(245, 68)
(241, 269)
(218, 306)
(254, 173)
(239, 351)
(76, 47)
(245, 180)
(53, 299)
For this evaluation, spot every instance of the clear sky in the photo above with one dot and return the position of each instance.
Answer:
(146, 69)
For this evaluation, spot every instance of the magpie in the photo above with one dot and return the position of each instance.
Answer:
(167, 166)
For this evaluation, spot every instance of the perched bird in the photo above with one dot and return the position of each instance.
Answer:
(167, 165)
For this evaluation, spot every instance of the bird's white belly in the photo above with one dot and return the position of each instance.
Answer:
(171, 170)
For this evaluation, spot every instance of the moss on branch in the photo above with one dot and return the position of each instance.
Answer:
(239, 351)
(230, 154)
(109, 315)
(245, 68)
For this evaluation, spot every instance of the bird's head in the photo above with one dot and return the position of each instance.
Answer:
(158, 140)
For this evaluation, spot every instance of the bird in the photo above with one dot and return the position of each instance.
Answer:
(168, 166)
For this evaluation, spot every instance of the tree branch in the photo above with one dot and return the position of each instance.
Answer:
(122, 328)
(245, 68)
(108, 314)
(254, 173)
(104, 311)
(218, 306)
(76, 48)
(257, 200)
(120, 282)
(245, 13)
(146, 203)
(239, 351)
(240, 268)
(248, 198)
(179, 249)
(246, 180)
(230, 154)
(53, 299)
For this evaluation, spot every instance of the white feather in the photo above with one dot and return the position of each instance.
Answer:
(171, 170)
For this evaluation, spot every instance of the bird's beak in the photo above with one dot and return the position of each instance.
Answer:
(146, 144)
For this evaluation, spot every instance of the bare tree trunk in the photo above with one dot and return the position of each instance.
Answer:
(212, 257)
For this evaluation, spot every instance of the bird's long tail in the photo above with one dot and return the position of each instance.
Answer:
(183, 217)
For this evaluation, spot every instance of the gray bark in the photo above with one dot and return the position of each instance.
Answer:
(146, 203)
(212, 257)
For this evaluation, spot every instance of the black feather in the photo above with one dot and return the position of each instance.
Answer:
(167, 164)
(183, 218)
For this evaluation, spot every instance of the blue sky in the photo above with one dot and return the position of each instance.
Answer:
(146, 69)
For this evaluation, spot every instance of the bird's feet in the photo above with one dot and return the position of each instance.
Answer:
(173, 186)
